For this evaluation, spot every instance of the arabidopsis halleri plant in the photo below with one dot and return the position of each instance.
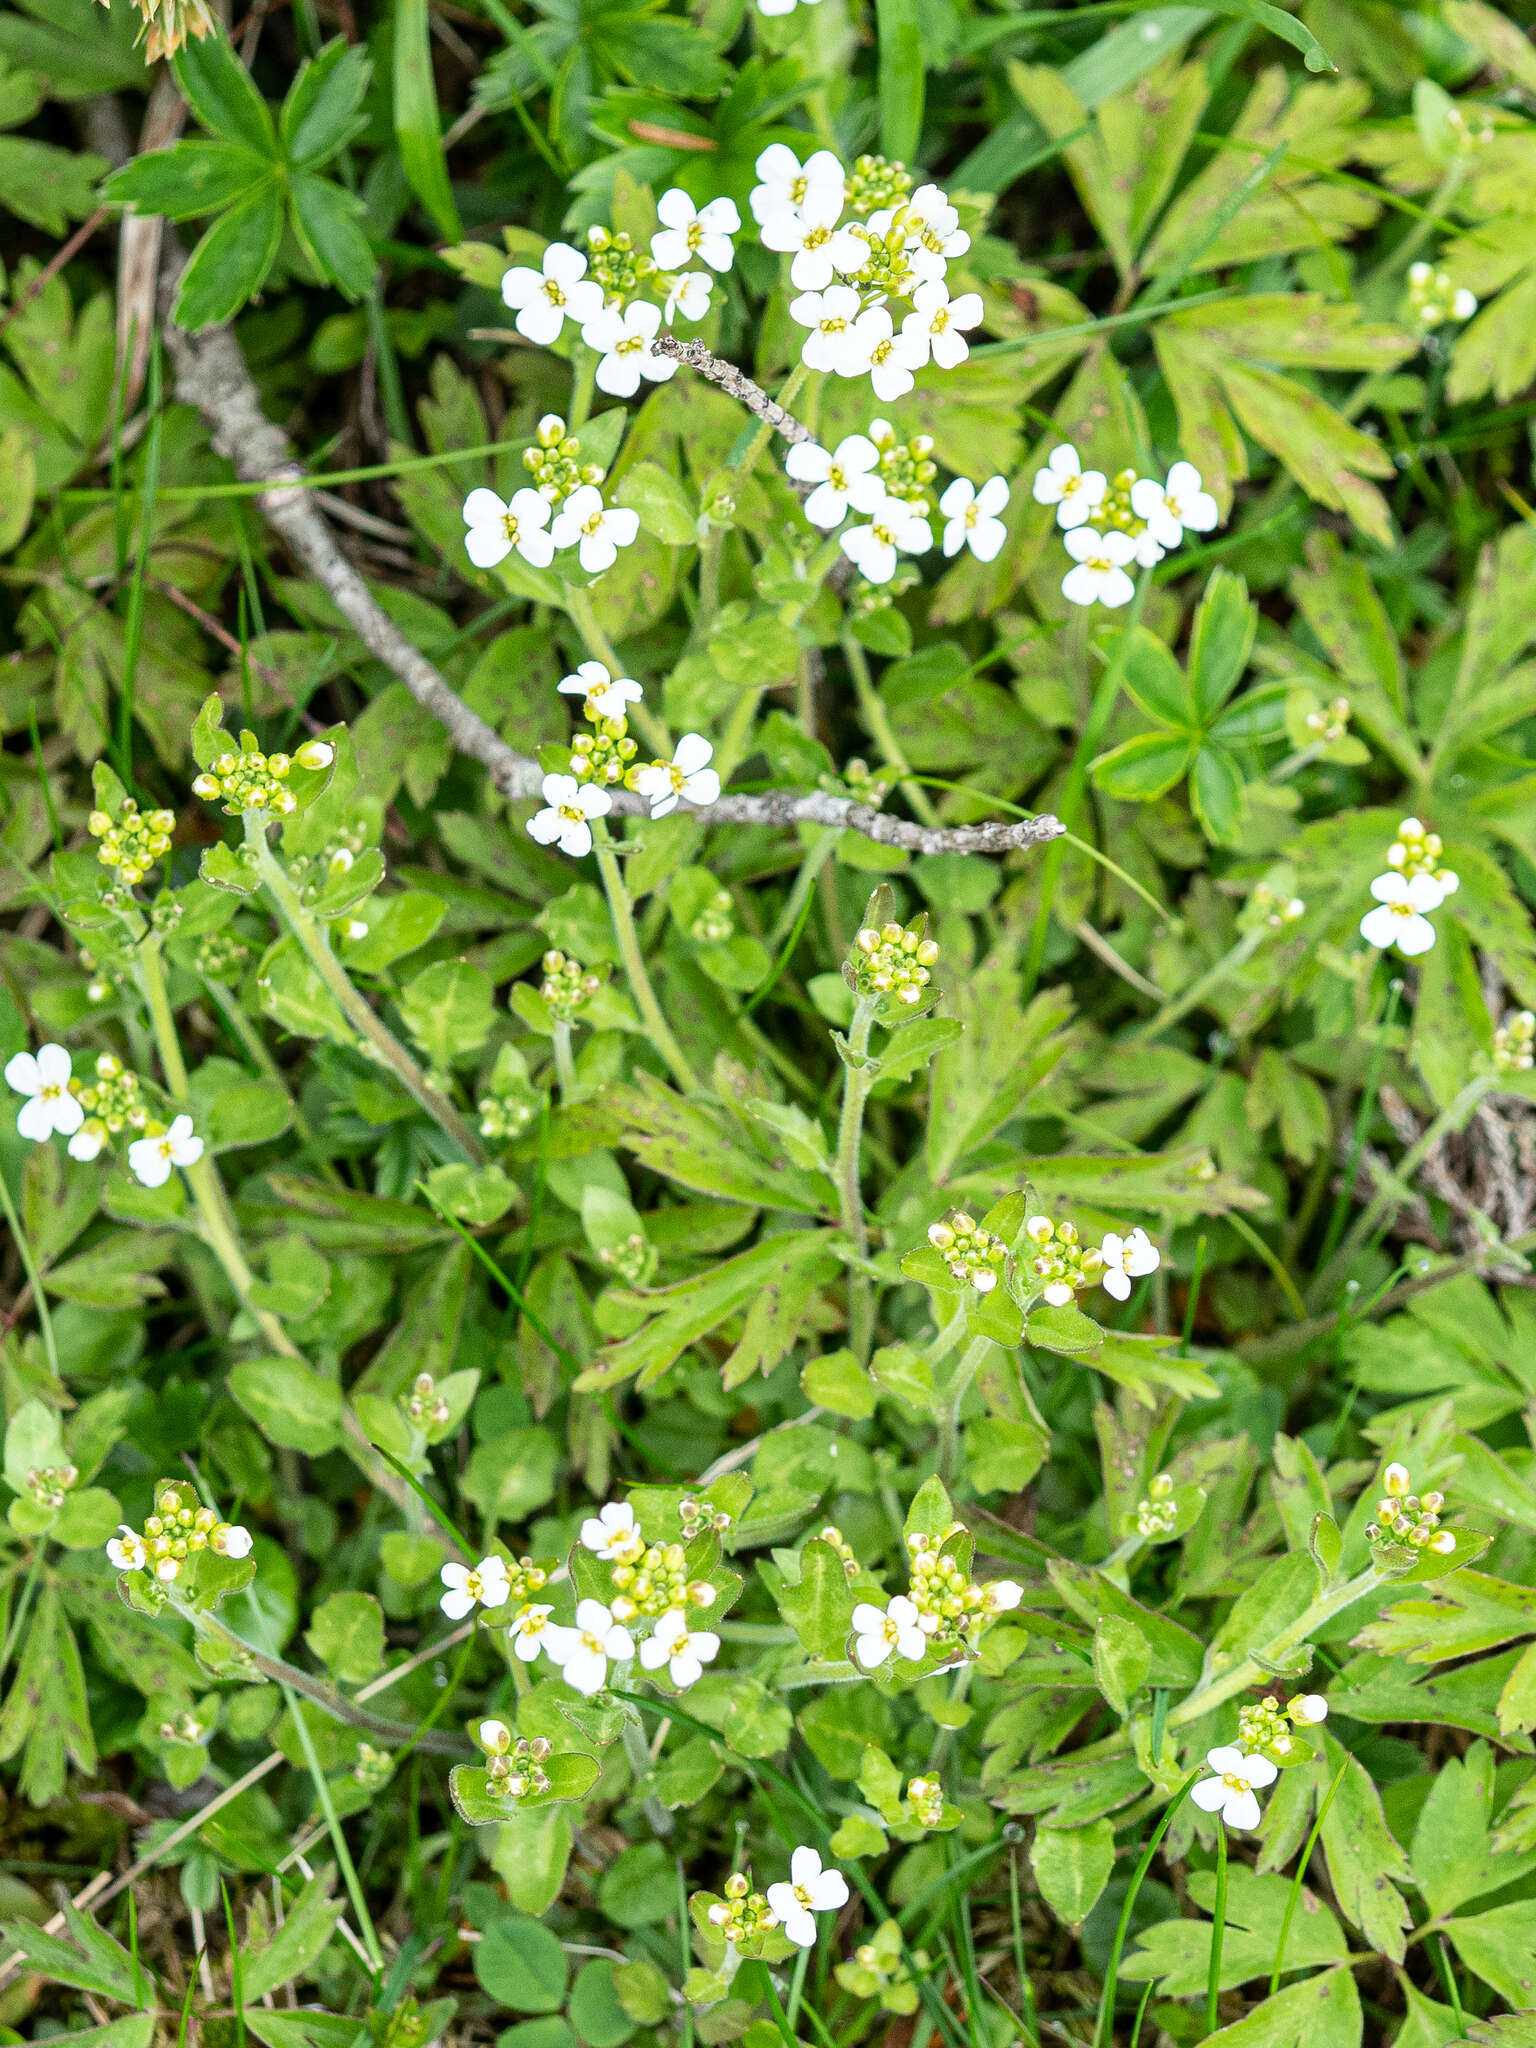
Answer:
(514, 1764)
(151, 1158)
(132, 840)
(972, 517)
(1416, 851)
(1401, 916)
(1109, 524)
(942, 322)
(877, 1631)
(682, 1650)
(486, 1584)
(1407, 1522)
(495, 529)
(664, 784)
(1127, 1259)
(1266, 1726)
(1231, 1792)
(688, 231)
(544, 299)
(179, 1528)
(688, 296)
(784, 182)
(528, 1629)
(566, 819)
(44, 1079)
(584, 1652)
(973, 1255)
(810, 1890)
(595, 530)
(1514, 1045)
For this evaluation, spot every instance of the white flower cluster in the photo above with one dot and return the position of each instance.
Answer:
(583, 1654)
(173, 1534)
(743, 1916)
(856, 478)
(605, 756)
(55, 1102)
(1066, 1266)
(1414, 885)
(848, 264)
(1433, 299)
(1107, 526)
(942, 1610)
(563, 509)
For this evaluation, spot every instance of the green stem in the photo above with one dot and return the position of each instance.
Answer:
(634, 963)
(951, 1401)
(959, 1686)
(34, 1278)
(857, 1082)
(338, 1839)
(583, 383)
(358, 1013)
(1074, 789)
(786, 397)
(1190, 998)
(637, 1750)
(737, 737)
(1218, 1928)
(1105, 2025)
(882, 732)
(565, 1066)
(1296, 1881)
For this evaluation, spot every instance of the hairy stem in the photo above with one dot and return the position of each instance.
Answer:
(358, 1013)
(622, 913)
(639, 1756)
(953, 1399)
(565, 1066)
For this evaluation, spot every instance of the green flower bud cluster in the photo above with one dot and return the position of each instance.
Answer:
(504, 1117)
(655, 1582)
(175, 1532)
(1417, 852)
(743, 1914)
(132, 841)
(876, 181)
(1409, 1519)
(424, 1405)
(1433, 299)
(887, 269)
(48, 1484)
(552, 461)
(1065, 1265)
(524, 1579)
(1267, 1725)
(925, 1797)
(605, 755)
(1156, 1515)
(111, 1102)
(716, 920)
(615, 264)
(905, 468)
(373, 1767)
(183, 1727)
(877, 1969)
(629, 1259)
(701, 1518)
(893, 961)
(221, 956)
(254, 781)
(834, 1536)
(1273, 909)
(1330, 721)
(515, 1764)
(1514, 1043)
(973, 1255)
(566, 986)
(951, 1607)
(861, 783)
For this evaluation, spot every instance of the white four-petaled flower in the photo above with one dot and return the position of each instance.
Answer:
(558, 291)
(1169, 508)
(1073, 490)
(877, 1631)
(688, 774)
(972, 517)
(688, 230)
(485, 1584)
(895, 527)
(1127, 1259)
(1309, 1709)
(528, 1630)
(810, 1890)
(585, 1651)
(846, 479)
(126, 1552)
(785, 181)
(607, 694)
(1099, 577)
(612, 1533)
(890, 356)
(688, 295)
(939, 321)
(150, 1159)
(1400, 918)
(495, 529)
(569, 807)
(830, 315)
(1231, 1792)
(44, 1078)
(685, 1652)
(596, 531)
(624, 342)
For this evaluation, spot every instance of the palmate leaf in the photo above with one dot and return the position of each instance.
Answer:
(231, 262)
(45, 1714)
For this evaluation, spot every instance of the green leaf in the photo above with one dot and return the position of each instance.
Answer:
(231, 262)
(218, 89)
(45, 185)
(1281, 24)
(1499, 1947)
(45, 1714)
(329, 224)
(521, 1965)
(665, 507)
(323, 109)
(838, 1382)
(448, 1009)
(347, 1635)
(1216, 794)
(1365, 1863)
(819, 1607)
(307, 1926)
(600, 2019)
(289, 1402)
(418, 127)
(1156, 682)
(292, 994)
(1220, 642)
(1145, 768)
(188, 179)
(1072, 1866)
(899, 42)
(1122, 1660)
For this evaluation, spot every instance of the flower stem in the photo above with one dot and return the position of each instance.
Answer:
(857, 1082)
(338, 1839)
(1296, 1881)
(358, 1013)
(1218, 1927)
(639, 1756)
(34, 1277)
(634, 962)
(951, 1402)
(565, 1066)
(580, 612)
(582, 386)
(882, 732)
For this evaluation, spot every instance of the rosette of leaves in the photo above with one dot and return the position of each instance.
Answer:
(259, 178)
(1199, 735)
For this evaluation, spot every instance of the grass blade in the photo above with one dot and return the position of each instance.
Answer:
(418, 125)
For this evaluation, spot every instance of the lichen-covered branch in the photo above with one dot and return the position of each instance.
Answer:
(211, 375)
(734, 382)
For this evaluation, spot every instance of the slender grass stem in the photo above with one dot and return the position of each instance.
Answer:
(1301, 1871)
(1104, 2027)
(622, 913)
(1218, 1928)
(34, 1277)
(365, 1925)
(857, 1081)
